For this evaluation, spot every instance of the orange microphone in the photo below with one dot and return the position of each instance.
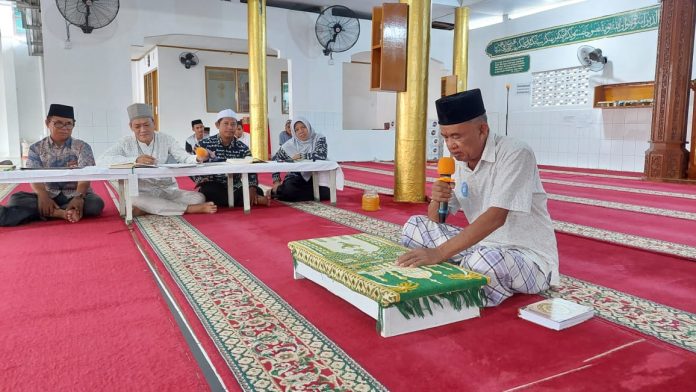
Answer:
(445, 168)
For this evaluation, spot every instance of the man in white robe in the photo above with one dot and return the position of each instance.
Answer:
(158, 196)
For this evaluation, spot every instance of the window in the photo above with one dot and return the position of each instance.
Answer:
(226, 88)
(284, 92)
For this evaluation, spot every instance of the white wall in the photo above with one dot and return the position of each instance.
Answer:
(572, 135)
(95, 76)
(21, 92)
(366, 109)
(182, 91)
(99, 82)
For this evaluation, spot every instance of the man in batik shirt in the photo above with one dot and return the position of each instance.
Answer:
(60, 200)
(220, 147)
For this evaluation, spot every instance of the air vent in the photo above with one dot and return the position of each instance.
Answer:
(523, 88)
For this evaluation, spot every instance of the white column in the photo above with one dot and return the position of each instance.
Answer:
(9, 114)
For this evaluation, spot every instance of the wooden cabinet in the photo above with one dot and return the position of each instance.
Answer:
(388, 54)
(448, 85)
(624, 95)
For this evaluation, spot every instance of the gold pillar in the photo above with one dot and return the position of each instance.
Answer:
(460, 60)
(412, 108)
(258, 104)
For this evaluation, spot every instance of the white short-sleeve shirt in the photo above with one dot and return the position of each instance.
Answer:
(507, 177)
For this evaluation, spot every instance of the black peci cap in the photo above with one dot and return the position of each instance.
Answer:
(59, 110)
(460, 107)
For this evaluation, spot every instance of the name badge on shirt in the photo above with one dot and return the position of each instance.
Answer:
(465, 189)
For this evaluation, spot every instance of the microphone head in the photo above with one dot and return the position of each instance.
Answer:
(445, 166)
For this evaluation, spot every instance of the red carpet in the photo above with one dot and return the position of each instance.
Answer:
(627, 183)
(645, 225)
(81, 311)
(491, 348)
(199, 330)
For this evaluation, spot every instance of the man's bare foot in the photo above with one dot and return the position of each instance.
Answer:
(138, 212)
(203, 208)
(261, 200)
(71, 216)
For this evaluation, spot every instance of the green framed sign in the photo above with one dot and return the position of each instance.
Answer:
(510, 65)
(629, 22)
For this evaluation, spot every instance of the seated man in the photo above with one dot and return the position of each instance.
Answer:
(198, 135)
(158, 196)
(510, 237)
(220, 147)
(60, 200)
(285, 134)
(242, 136)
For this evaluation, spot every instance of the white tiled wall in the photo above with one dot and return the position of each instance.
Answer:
(99, 128)
(614, 139)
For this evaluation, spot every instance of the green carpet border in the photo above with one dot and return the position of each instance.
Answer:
(362, 380)
(6, 189)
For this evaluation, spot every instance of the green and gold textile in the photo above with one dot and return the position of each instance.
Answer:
(365, 264)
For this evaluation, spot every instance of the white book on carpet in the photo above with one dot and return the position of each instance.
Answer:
(556, 313)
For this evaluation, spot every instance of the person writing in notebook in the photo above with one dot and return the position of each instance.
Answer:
(157, 196)
(59, 200)
(510, 236)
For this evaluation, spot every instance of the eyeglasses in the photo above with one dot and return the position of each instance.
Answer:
(62, 125)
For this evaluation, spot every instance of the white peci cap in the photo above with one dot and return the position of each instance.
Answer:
(226, 113)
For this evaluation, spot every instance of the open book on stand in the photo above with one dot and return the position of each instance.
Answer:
(129, 165)
(556, 313)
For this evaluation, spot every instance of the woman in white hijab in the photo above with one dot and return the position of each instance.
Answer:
(304, 144)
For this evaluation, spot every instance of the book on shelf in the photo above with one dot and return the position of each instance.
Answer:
(556, 313)
(129, 165)
(245, 160)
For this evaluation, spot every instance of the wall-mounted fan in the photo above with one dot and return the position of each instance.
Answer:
(591, 57)
(188, 59)
(337, 29)
(88, 14)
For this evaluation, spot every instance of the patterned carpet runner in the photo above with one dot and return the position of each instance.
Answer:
(266, 343)
(6, 189)
(668, 324)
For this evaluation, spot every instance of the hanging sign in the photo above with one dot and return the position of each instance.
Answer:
(629, 22)
(510, 65)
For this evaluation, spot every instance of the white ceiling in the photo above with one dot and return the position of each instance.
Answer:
(443, 10)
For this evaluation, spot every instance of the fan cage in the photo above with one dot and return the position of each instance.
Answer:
(337, 29)
(89, 14)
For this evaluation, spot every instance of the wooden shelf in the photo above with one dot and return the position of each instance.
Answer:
(624, 95)
(388, 56)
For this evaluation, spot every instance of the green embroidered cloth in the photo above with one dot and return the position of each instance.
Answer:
(365, 264)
